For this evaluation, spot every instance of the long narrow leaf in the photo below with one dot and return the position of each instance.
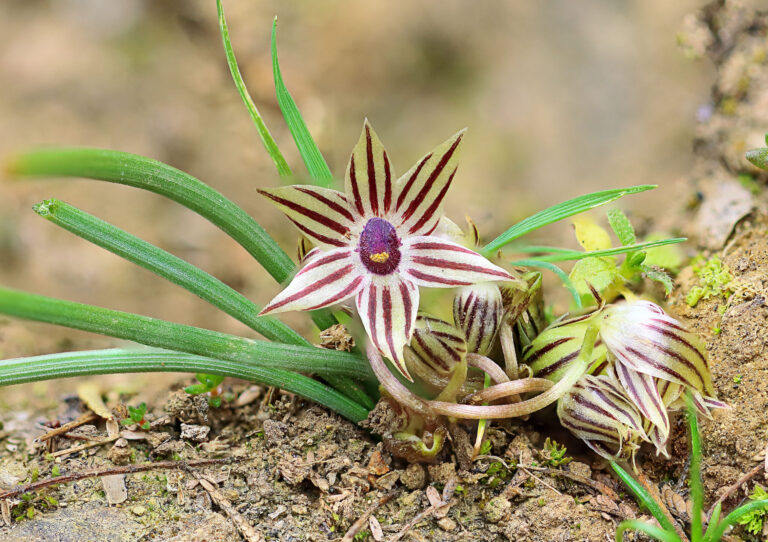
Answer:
(647, 528)
(562, 275)
(562, 255)
(192, 340)
(148, 174)
(717, 534)
(643, 497)
(558, 212)
(168, 266)
(311, 155)
(697, 489)
(54, 366)
(266, 136)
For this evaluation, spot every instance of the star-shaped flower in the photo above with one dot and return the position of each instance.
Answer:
(377, 241)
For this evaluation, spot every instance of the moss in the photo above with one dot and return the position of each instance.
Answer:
(714, 280)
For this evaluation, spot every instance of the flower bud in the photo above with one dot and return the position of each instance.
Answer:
(438, 344)
(477, 311)
(597, 411)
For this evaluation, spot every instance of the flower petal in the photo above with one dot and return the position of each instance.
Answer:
(649, 341)
(368, 182)
(642, 389)
(330, 277)
(420, 192)
(439, 263)
(387, 306)
(321, 214)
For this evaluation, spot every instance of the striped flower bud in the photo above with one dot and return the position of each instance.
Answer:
(597, 410)
(551, 353)
(647, 346)
(477, 312)
(438, 344)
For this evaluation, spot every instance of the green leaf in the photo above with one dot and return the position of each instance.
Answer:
(140, 172)
(731, 519)
(621, 226)
(697, 489)
(564, 254)
(193, 340)
(647, 528)
(668, 257)
(311, 155)
(644, 498)
(557, 271)
(560, 211)
(758, 157)
(111, 361)
(166, 265)
(599, 273)
(659, 276)
(266, 136)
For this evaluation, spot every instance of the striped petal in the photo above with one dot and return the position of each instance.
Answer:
(328, 278)
(368, 182)
(440, 263)
(420, 192)
(643, 391)
(387, 306)
(321, 214)
(646, 339)
(477, 311)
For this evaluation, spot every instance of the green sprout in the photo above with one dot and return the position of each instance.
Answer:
(209, 384)
(716, 527)
(136, 416)
(554, 454)
(753, 521)
(714, 280)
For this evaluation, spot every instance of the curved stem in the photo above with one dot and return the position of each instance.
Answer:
(512, 387)
(455, 383)
(507, 340)
(393, 386)
(488, 366)
(97, 362)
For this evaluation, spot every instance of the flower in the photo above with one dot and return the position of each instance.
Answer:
(597, 410)
(651, 354)
(378, 241)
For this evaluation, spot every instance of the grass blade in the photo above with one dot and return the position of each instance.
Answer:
(266, 136)
(563, 254)
(311, 155)
(53, 366)
(168, 266)
(148, 174)
(717, 533)
(644, 498)
(192, 340)
(560, 211)
(647, 528)
(562, 275)
(697, 490)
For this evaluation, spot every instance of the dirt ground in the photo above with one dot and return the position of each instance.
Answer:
(294, 471)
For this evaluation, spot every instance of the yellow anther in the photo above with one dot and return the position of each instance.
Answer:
(379, 257)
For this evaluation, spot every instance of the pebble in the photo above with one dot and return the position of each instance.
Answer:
(496, 509)
(414, 476)
(446, 524)
(138, 510)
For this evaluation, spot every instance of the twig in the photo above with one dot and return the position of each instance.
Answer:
(356, 526)
(599, 486)
(127, 469)
(242, 524)
(82, 420)
(734, 487)
(421, 516)
(529, 473)
(82, 447)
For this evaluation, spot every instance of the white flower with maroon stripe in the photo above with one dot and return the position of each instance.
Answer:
(377, 241)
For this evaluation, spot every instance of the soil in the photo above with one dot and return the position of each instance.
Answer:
(298, 472)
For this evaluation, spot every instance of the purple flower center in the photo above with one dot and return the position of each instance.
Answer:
(379, 247)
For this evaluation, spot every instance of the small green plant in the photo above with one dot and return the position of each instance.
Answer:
(210, 385)
(714, 280)
(136, 416)
(554, 454)
(716, 527)
(753, 521)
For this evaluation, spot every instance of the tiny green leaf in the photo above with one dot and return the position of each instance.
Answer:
(659, 276)
(621, 226)
(758, 157)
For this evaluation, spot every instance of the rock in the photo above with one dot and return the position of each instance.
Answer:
(138, 510)
(119, 455)
(496, 509)
(414, 476)
(580, 469)
(442, 473)
(195, 433)
(446, 524)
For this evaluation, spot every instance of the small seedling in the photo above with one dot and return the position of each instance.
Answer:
(554, 454)
(754, 520)
(716, 528)
(136, 416)
(210, 385)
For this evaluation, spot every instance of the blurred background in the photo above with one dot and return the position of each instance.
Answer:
(561, 98)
